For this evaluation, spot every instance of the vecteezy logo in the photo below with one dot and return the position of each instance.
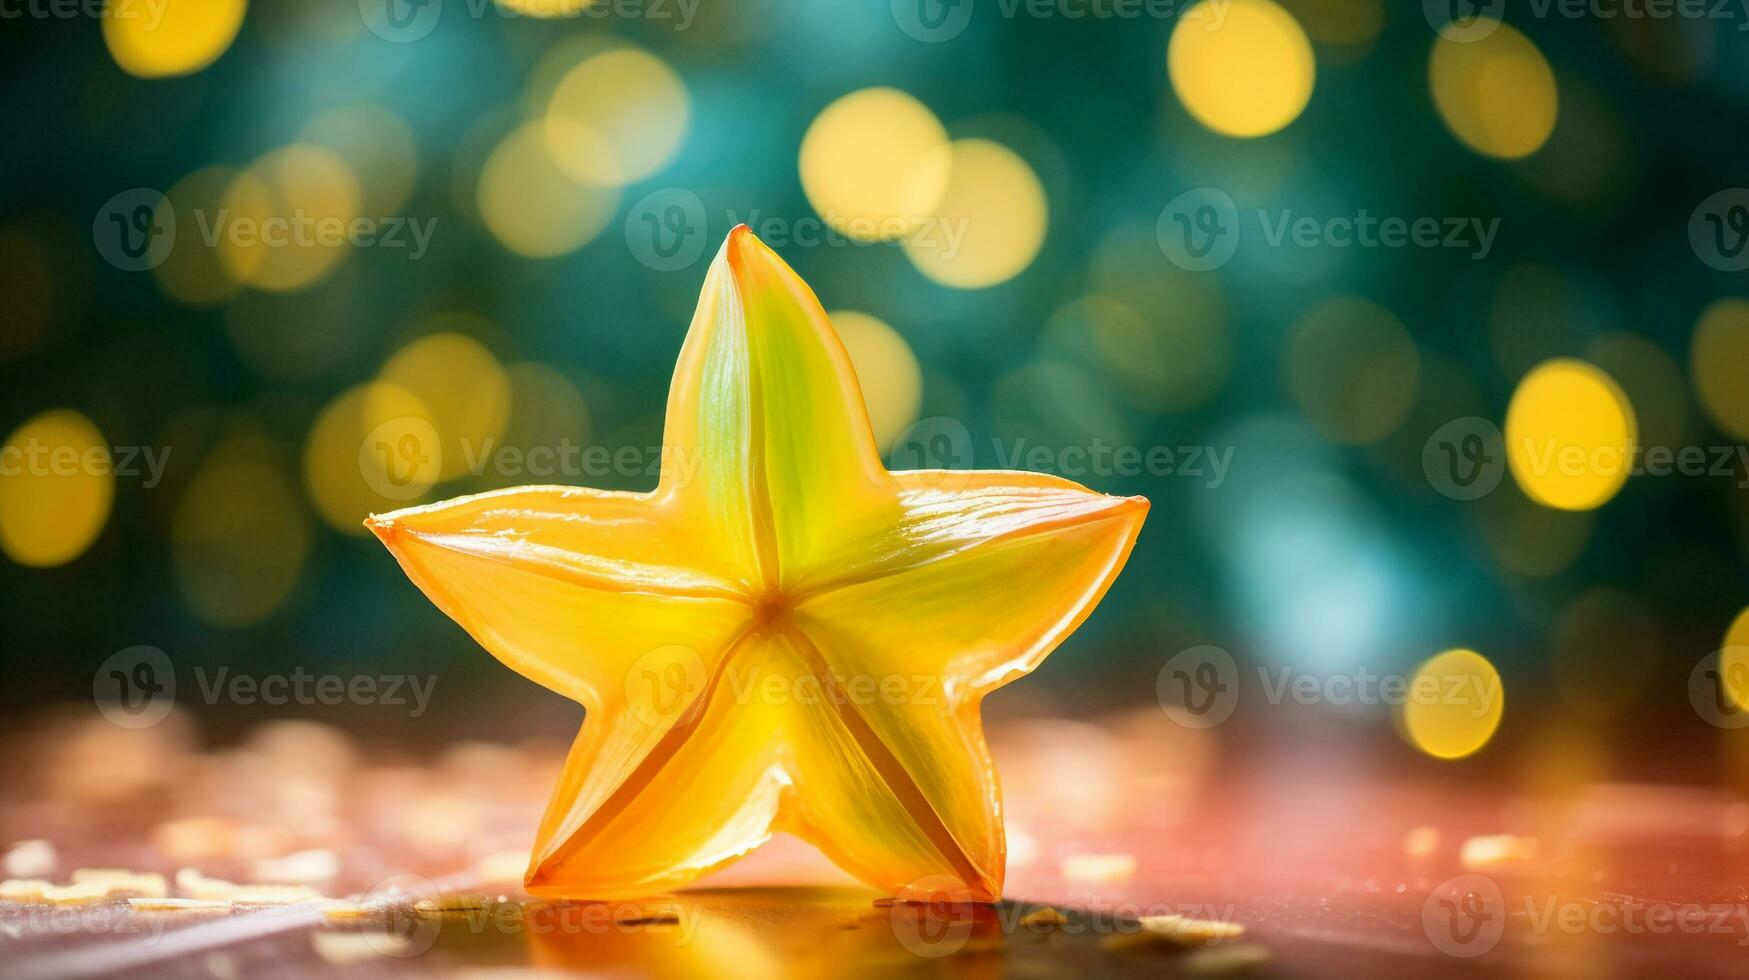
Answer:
(1199, 229)
(135, 230)
(934, 916)
(136, 687)
(1718, 230)
(401, 458)
(665, 688)
(1464, 916)
(940, 446)
(1464, 458)
(399, 927)
(1463, 20)
(932, 21)
(1718, 688)
(400, 21)
(666, 229)
(1199, 688)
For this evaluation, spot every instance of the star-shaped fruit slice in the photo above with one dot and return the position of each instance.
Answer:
(783, 635)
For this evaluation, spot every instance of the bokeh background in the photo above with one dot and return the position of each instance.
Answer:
(574, 173)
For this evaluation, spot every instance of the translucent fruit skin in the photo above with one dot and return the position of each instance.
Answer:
(783, 635)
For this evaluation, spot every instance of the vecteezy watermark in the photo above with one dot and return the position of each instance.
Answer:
(149, 12)
(1201, 229)
(400, 457)
(1465, 458)
(668, 687)
(1718, 687)
(1468, 20)
(941, 442)
(669, 229)
(136, 230)
(936, 916)
(1718, 229)
(1467, 916)
(137, 687)
(1200, 688)
(107, 919)
(404, 21)
(34, 458)
(935, 21)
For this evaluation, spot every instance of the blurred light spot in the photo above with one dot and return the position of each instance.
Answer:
(1353, 369)
(170, 37)
(872, 163)
(1734, 661)
(1343, 30)
(891, 380)
(27, 303)
(629, 98)
(1605, 646)
(1654, 385)
(379, 147)
(546, 409)
(989, 223)
(1718, 362)
(465, 393)
(1529, 539)
(239, 538)
(1182, 310)
(1570, 435)
(1454, 705)
(547, 8)
(1241, 67)
(285, 219)
(357, 450)
(533, 202)
(1496, 93)
(1107, 333)
(194, 271)
(56, 487)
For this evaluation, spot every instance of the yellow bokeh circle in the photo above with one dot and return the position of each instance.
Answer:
(56, 488)
(239, 537)
(531, 197)
(170, 37)
(1734, 662)
(1454, 704)
(194, 272)
(358, 460)
(1241, 67)
(463, 388)
(287, 220)
(1571, 436)
(990, 222)
(1718, 362)
(633, 101)
(1496, 93)
(1353, 369)
(891, 380)
(872, 163)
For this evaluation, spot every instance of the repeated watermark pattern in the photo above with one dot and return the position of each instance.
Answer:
(137, 688)
(137, 230)
(1468, 915)
(1465, 21)
(1718, 229)
(1201, 687)
(32, 457)
(151, 12)
(669, 229)
(1201, 229)
(405, 21)
(944, 442)
(1718, 688)
(1465, 458)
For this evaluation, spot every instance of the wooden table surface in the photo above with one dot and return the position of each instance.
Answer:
(1339, 860)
